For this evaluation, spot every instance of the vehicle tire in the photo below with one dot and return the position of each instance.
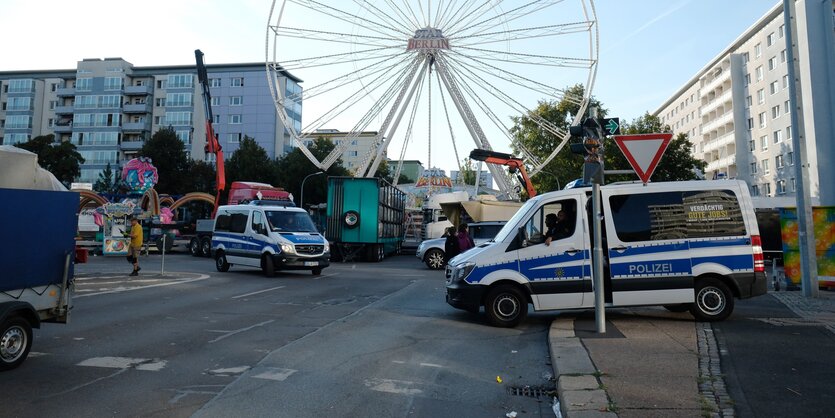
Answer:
(15, 342)
(268, 265)
(169, 244)
(434, 259)
(195, 248)
(206, 246)
(680, 307)
(506, 306)
(220, 262)
(316, 272)
(714, 301)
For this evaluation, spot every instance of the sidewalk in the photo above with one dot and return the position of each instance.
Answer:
(650, 362)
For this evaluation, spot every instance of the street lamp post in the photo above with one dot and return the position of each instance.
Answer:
(301, 199)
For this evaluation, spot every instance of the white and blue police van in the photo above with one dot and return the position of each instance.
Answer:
(689, 245)
(268, 236)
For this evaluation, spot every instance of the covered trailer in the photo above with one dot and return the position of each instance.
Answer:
(365, 218)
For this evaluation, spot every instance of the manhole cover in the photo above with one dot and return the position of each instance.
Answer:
(532, 391)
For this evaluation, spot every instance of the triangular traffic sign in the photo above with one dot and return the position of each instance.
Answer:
(643, 151)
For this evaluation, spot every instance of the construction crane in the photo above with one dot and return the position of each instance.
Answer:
(212, 144)
(514, 166)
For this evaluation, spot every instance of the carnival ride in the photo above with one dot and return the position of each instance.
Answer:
(387, 62)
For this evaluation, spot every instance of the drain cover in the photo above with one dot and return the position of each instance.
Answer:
(532, 391)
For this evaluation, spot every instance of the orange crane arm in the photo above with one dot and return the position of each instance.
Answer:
(514, 164)
(212, 144)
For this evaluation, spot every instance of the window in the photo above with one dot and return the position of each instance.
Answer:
(18, 122)
(750, 123)
(676, 215)
(769, 40)
(50, 122)
(159, 102)
(762, 119)
(785, 81)
(781, 187)
(234, 119)
(214, 82)
(783, 56)
(793, 183)
(237, 82)
(755, 190)
(215, 101)
(764, 142)
(778, 161)
(774, 87)
(19, 103)
(754, 168)
(238, 222)
(236, 100)
(747, 79)
(749, 101)
(352, 153)
(215, 119)
(781, 30)
(178, 118)
(778, 136)
(179, 81)
(745, 58)
(113, 83)
(161, 84)
(535, 228)
(772, 63)
(790, 157)
(759, 72)
(157, 120)
(178, 100)
(185, 136)
(258, 224)
(775, 112)
(52, 104)
(84, 84)
(752, 145)
(758, 50)
(760, 96)
(767, 189)
(764, 164)
(234, 138)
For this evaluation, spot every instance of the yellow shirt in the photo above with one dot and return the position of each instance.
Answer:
(136, 236)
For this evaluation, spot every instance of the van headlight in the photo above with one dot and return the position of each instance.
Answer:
(327, 247)
(288, 248)
(461, 271)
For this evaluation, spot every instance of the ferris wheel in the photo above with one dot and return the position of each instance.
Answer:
(426, 75)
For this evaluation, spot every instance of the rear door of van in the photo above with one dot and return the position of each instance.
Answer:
(648, 246)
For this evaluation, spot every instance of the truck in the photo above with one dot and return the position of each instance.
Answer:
(365, 218)
(37, 247)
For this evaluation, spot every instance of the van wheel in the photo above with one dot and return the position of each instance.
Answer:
(206, 246)
(220, 262)
(681, 307)
(506, 306)
(714, 301)
(268, 266)
(15, 342)
(434, 259)
(194, 247)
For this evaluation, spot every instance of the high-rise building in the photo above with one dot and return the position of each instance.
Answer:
(108, 108)
(356, 150)
(736, 110)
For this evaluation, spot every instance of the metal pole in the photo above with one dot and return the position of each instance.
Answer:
(477, 178)
(808, 262)
(597, 259)
(162, 269)
(301, 199)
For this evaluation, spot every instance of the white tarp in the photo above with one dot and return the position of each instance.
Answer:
(19, 169)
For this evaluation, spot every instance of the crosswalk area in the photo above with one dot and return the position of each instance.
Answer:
(92, 284)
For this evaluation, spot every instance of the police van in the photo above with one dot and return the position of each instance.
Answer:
(691, 245)
(269, 236)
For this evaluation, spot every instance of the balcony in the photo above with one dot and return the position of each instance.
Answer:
(716, 102)
(62, 129)
(716, 82)
(63, 110)
(137, 108)
(65, 91)
(722, 120)
(715, 144)
(137, 127)
(132, 145)
(138, 90)
(721, 163)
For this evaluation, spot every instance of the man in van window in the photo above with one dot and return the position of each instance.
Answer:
(559, 226)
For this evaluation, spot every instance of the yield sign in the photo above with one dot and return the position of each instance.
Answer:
(643, 151)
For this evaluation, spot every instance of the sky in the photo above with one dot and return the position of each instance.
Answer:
(647, 48)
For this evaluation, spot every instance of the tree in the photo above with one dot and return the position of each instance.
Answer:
(384, 172)
(61, 159)
(294, 166)
(677, 163)
(467, 174)
(168, 155)
(250, 162)
(109, 180)
(202, 177)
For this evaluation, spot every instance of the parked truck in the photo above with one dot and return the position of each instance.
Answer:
(37, 248)
(365, 218)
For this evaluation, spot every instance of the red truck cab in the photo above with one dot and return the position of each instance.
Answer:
(247, 191)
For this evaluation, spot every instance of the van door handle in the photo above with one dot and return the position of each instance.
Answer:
(620, 248)
(572, 251)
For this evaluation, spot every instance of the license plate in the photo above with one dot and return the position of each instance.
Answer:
(311, 263)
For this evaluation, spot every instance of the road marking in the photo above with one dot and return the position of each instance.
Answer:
(260, 291)
(400, 387)
(125, 289)
(431, 365)
(229, 370)
(274, 373)
(238, 331)
(125, 363)
(325, 275)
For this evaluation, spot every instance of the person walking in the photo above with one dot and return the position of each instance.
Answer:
(465, 242)
(450, 245)
(135, 247)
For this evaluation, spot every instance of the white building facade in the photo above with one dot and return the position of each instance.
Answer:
(736, 110)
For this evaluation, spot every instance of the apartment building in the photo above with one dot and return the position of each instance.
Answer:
(108, 108)
(736, 109)
(356, 150)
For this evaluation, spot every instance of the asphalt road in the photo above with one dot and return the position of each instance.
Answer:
(365, 339)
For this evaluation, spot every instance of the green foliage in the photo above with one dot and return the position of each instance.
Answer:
(168, 155)
(384, 171)
(467, 174)
(250, 162)
(61, 159)
(293, 167)
(109, 180)
(202, 177)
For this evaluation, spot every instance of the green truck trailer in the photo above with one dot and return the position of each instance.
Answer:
(365, 218)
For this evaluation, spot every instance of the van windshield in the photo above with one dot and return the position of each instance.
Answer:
(290, 221)
(511, 226)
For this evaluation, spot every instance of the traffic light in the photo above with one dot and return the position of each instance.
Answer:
(590, 147)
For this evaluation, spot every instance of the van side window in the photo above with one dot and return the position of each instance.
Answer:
(222, 222)
(536, 227)
(258, 223)
(238, 222)
(713, 213)
(649, 216)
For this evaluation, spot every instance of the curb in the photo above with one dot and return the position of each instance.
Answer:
(579, 389)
